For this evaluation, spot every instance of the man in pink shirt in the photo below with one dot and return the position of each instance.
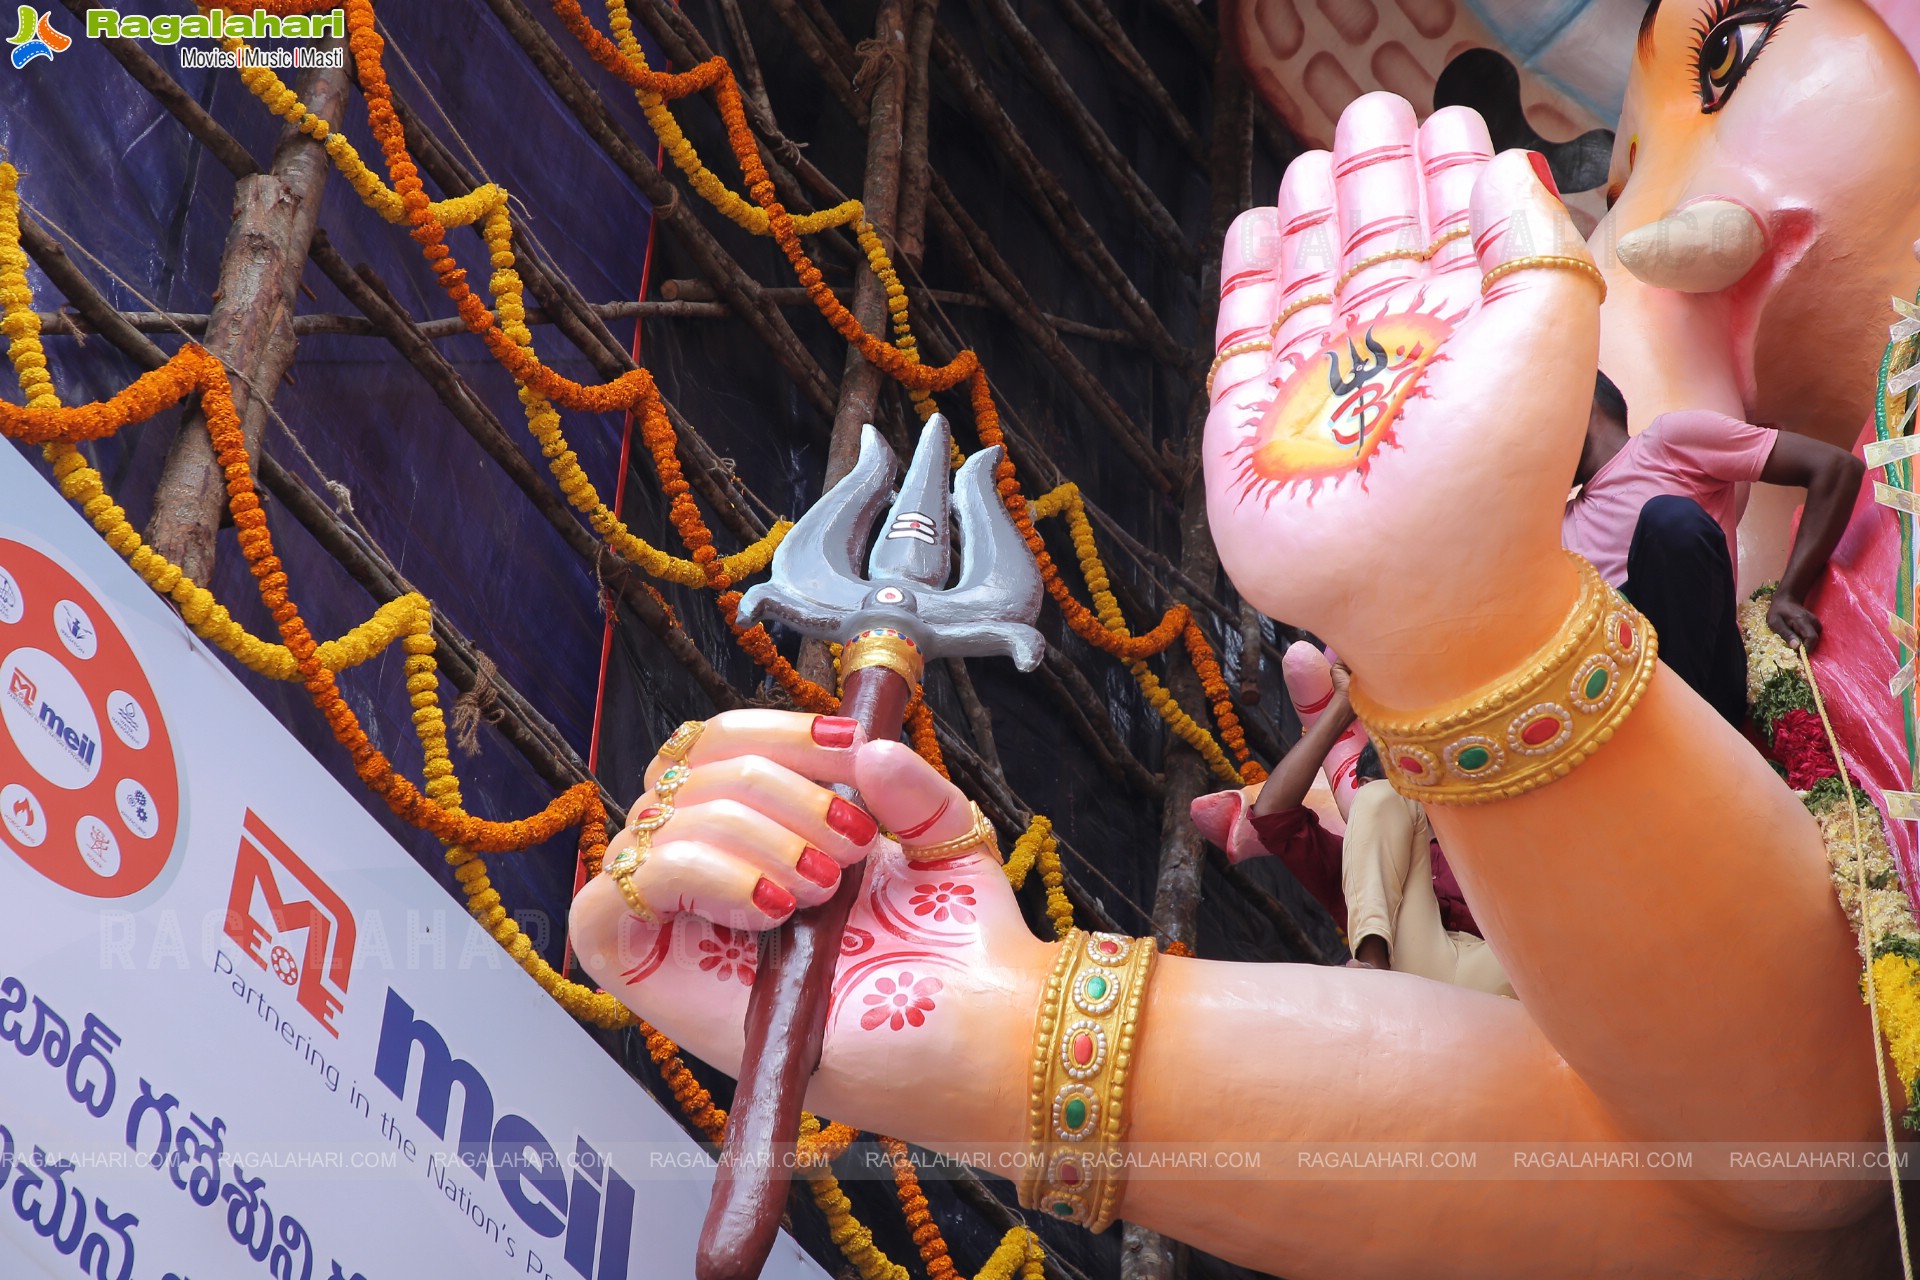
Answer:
(1386, 882)
(1656, 515)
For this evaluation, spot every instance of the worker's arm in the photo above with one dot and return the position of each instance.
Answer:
(1831, 476)
(1293, 776)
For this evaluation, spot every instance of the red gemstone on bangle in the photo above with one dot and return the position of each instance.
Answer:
(1107, 947)
(1409, 764)
(1542, 729)
(1626, 636)
(649, 813)
(1069, 1173)
(1082, 1049)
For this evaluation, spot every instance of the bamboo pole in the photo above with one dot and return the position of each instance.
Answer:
(250, 329)
(862, 382)
(1113, 166)
(979, 719)
(1096, 22)
(990, 275)
(1056, 210)
(911, 234)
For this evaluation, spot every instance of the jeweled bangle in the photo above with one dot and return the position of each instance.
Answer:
(1084, 1035)
(883, 647)
(1533, 726)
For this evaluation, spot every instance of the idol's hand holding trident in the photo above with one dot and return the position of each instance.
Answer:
(693, 846)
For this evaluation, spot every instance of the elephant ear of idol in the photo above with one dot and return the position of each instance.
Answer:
(1487, 81)
(816, 586)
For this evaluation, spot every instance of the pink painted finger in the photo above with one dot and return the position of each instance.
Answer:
(1454, 148)
(1309, 258)
(1381, 197)
(713, 882)
(1517, 213)
(839, 828)
(1248, 285)
(792, 860)
(916, 804)
(817, 747)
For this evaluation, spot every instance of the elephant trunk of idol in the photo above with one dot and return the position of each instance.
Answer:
(1703, 246)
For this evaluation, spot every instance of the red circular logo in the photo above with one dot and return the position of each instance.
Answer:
(89, 792)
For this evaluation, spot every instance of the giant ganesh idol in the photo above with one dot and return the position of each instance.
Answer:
(1659, 898)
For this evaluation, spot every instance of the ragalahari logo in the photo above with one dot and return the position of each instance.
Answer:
(37, 38)
(319, 966)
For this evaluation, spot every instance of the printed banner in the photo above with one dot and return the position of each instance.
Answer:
(241, 1032)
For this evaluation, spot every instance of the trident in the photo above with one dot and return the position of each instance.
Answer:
(901, 613)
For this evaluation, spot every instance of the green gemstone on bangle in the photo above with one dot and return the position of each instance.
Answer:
(1075, 1113)
(1096, 987)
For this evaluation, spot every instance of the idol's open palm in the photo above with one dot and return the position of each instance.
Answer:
(1396, 416)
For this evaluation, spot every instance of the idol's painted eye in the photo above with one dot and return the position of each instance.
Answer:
(1728, 42)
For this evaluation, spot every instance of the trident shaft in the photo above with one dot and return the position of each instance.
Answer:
(817, 588)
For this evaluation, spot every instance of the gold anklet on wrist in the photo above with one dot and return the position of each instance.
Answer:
(1533, 726)
(1083, 1047)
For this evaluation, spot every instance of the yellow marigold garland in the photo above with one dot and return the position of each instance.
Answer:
(1776, 687)
(488, 205)
(409, 619)
(1066, 500)
(624, 54)
(1039, 847)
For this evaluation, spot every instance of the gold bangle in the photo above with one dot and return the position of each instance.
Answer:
(1295, 308)
(1533, 726)
(1084, 1034)
(1227, 353)
(979, 835)
(1545, 261)
(882, 647)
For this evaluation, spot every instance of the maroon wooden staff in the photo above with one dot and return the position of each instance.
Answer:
(896, 616)
(786, 1023)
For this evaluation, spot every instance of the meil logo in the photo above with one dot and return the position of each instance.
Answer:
(37, 38)
(23, 690)
(264, 866)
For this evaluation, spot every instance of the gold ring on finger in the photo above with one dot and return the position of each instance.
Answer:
(1547, 262)
(978, 835)
(1374, 260)
(623, 866)
(1294, 308)
(680, 745)
(1237, 349)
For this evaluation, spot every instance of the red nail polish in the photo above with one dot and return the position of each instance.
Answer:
(854, 823)
(772, 899)
(1543, 171)
(817, 867)
(834, 731)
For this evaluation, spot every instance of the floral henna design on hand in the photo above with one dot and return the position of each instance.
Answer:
(1333, 411)
(947, 899)
(729, 955)
(899, 1003)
